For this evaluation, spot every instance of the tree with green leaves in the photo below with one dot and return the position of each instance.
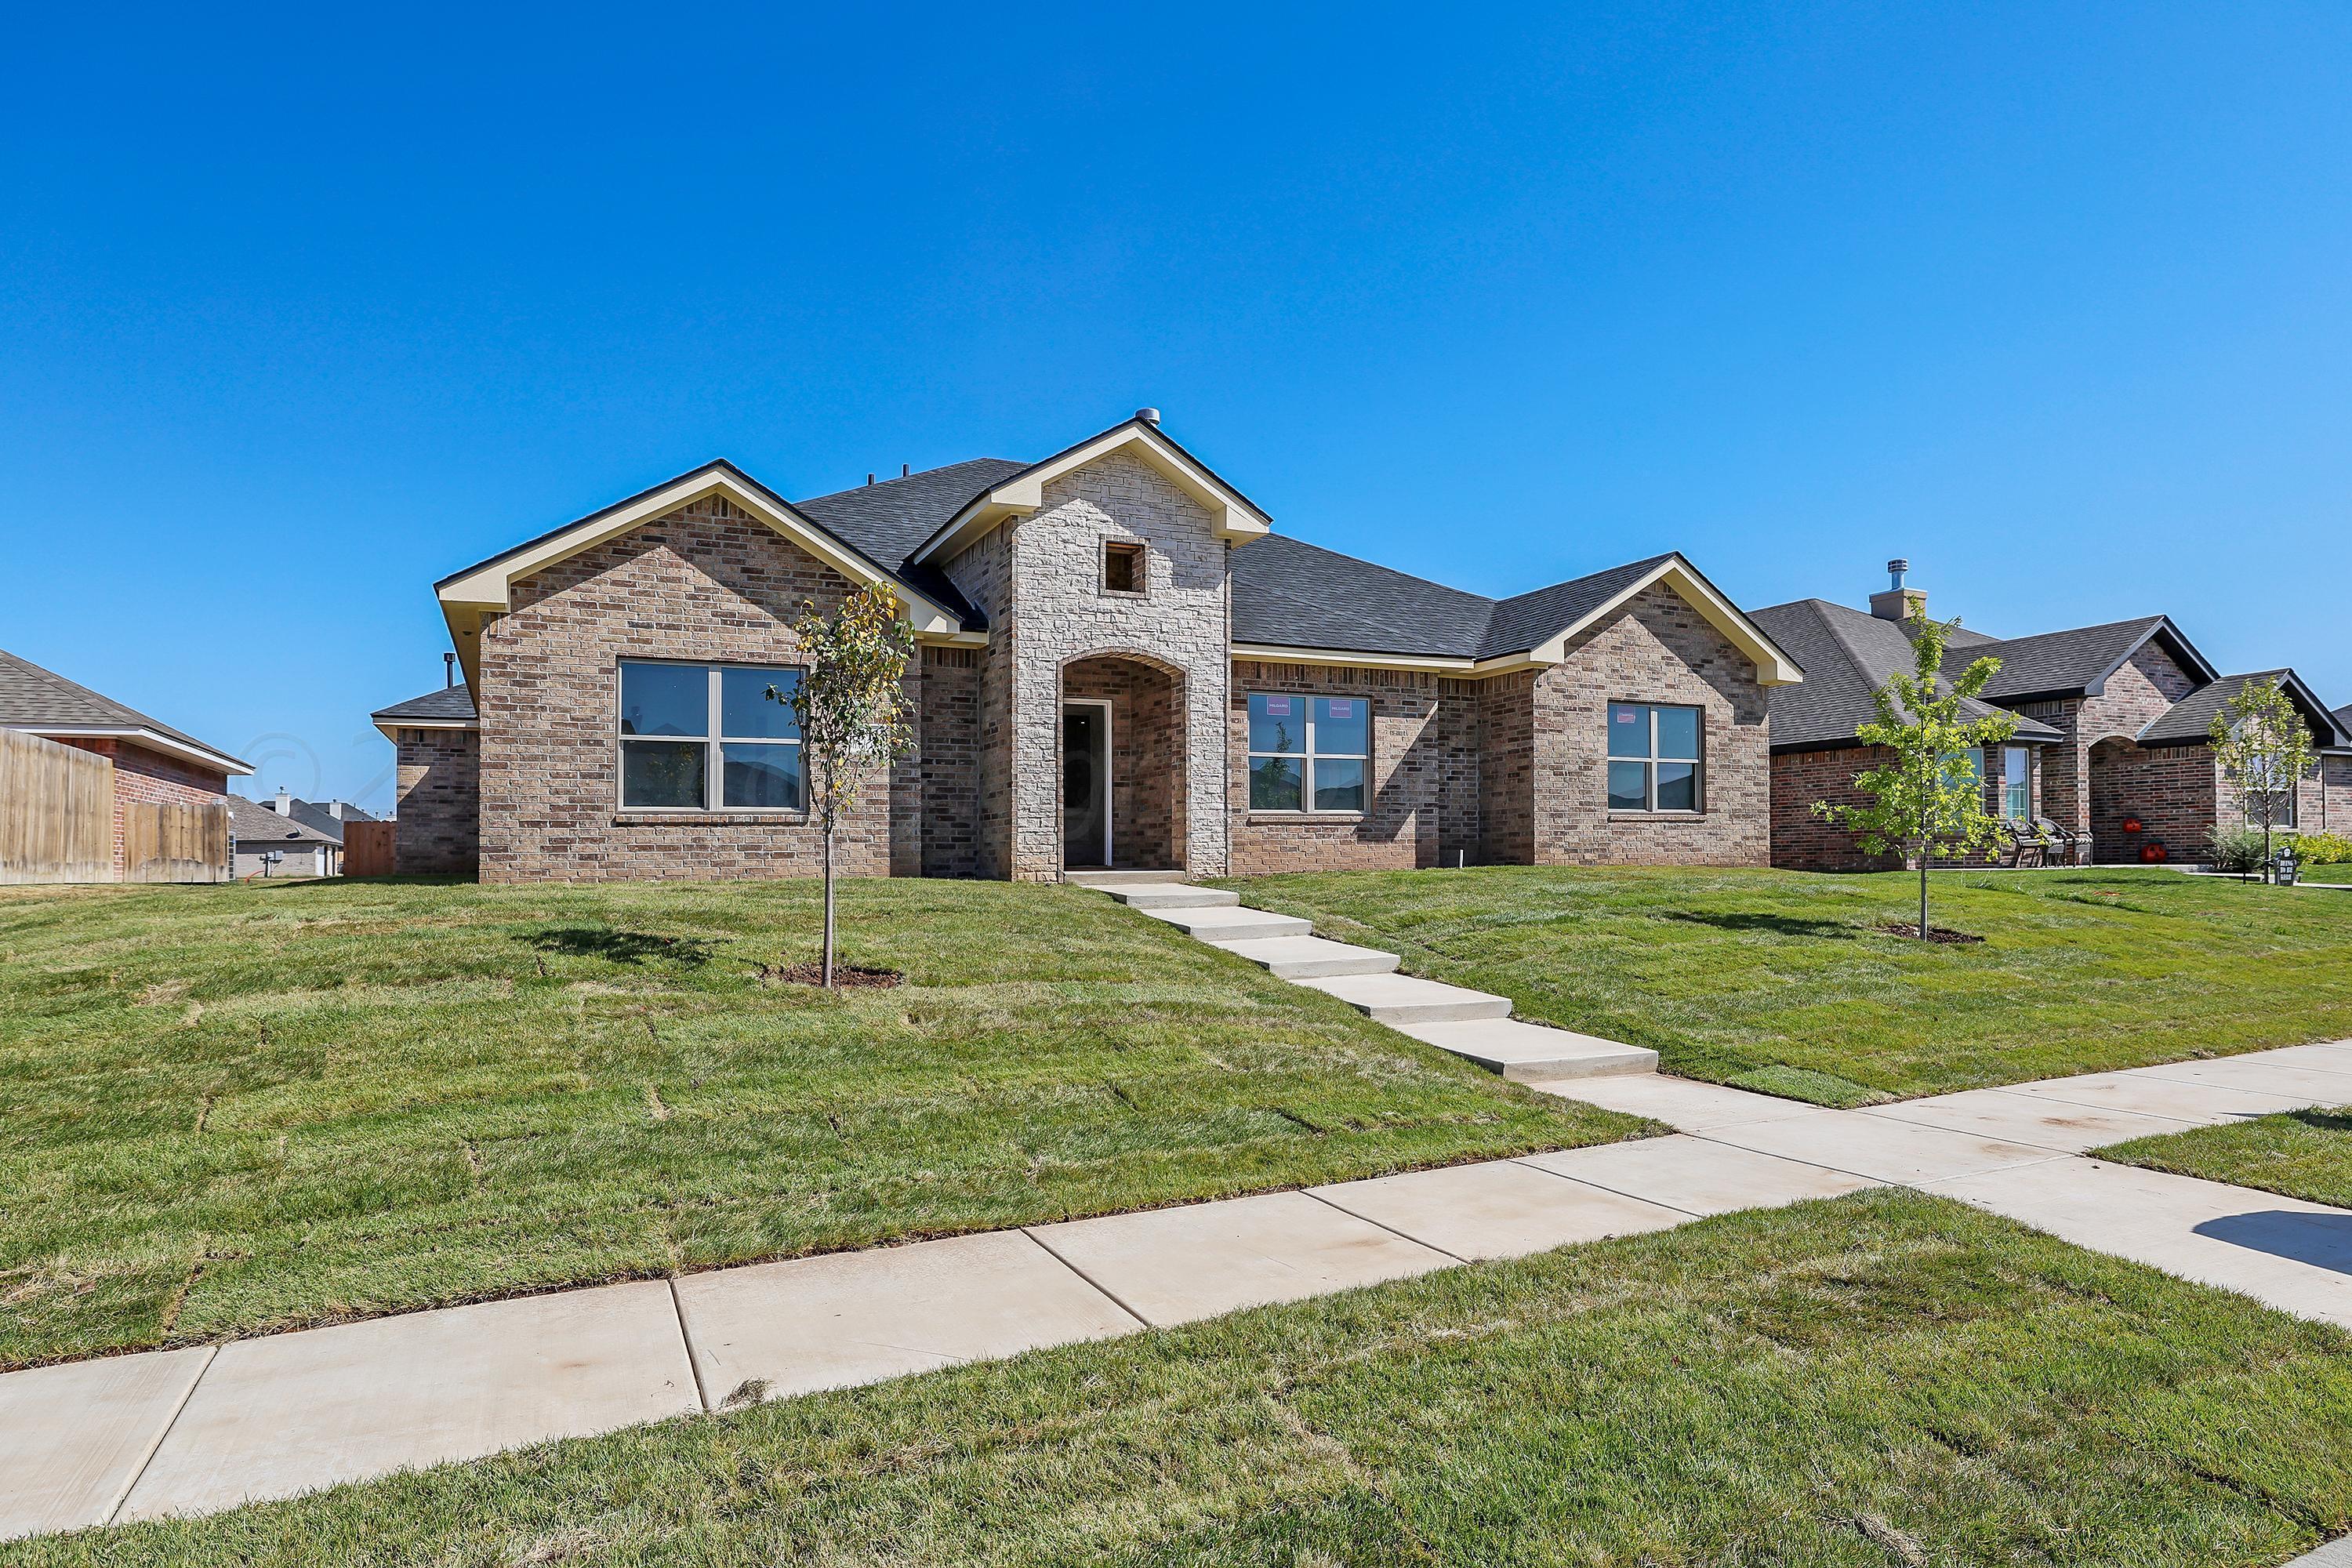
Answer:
(851, 707)
(2264, 748)
(1928, 800)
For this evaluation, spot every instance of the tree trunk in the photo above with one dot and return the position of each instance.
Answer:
(828, 881)
(1923, 890)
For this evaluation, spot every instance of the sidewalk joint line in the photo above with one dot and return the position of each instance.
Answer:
(147, 1458)
(686, 1339)
(1352, 1214)
(1108, 1294)
(1528, 1161)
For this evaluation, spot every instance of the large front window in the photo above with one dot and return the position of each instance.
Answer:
(1308, 753)
(702, 737)
(1653, 757)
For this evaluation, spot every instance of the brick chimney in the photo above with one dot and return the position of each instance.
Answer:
(1898, 602)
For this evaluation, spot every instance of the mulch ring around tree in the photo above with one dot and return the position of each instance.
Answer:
(1910, 929)
(845, 976)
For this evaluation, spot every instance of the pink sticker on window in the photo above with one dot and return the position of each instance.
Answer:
(1624, 716)
(1342, 709)
(1278, 707)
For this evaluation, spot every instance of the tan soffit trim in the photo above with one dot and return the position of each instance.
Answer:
(1231, 515)
(386, 730)
(1273, 655)
(488, 589)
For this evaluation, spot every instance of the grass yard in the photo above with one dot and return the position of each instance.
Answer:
(2304, 1154)
(1776, 981)
(224, 1110)
(1888, 1379)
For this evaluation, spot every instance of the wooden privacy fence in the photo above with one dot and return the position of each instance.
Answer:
(57, 811)
(176, 843)
(368, 849)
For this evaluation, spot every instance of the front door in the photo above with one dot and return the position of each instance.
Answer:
(1086, 783)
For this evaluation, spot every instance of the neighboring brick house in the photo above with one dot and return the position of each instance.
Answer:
(266, 843)
(154, 763)
(1816, 755)
(2113, 745)
(1119, 664)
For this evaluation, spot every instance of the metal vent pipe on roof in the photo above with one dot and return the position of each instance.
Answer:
(1895, 569)
(1149, 416)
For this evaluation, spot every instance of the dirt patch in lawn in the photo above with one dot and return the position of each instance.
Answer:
(1910, 929)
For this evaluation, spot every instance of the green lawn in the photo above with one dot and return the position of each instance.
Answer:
(1777, 981)
(231, 1110)
(1888, 1379)
(2304, 1154)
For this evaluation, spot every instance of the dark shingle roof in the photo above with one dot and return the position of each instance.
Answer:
(2056, 663)
(448, 702)
(1286, 593)
(888, 521)
(2191, 720)
(249, 822)
(1846, 655)
(35, 699)
(1290, 593)
(1295, 595)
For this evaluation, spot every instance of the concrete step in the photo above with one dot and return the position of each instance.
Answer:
(1171, 896)
(1228, 924)
(1123, 878)
(1531, 1053)
(1405, 999)
(1311, 957)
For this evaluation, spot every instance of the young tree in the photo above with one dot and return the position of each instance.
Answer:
(2264, 748)
(851, 708)
(1929, 800)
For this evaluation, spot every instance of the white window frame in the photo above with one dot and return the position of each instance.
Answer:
(1308, 756)
(2019, 784)
(714, 746)
(1651, 760)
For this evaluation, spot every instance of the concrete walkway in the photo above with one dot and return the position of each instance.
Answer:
(190, 1431)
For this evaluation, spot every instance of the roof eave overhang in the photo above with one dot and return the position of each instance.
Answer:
(475, 594)
(1232, 516)
(1773, 665)
(386, 727)
(154, 739)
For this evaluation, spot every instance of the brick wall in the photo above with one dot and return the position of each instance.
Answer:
(1656, 649)
(1802, 841)
(437, 821)
(1506, 764)
(706, 582)
(1422, 783)
(950, 762)
(150, 777)
(2169, 790)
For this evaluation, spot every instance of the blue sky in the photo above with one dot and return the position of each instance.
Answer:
(300, 312)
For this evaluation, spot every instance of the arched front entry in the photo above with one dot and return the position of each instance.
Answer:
(2113, 778)
(1122, 763)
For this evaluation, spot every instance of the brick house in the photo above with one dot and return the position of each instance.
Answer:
(154, 763)
(2112, 744)
(1120, 664)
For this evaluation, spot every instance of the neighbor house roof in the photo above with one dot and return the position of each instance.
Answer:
(2077, 661)
(43, 702)
(250, 822)
(445, 708)
(320, 816)
(1847, 656)
(2191, 721)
